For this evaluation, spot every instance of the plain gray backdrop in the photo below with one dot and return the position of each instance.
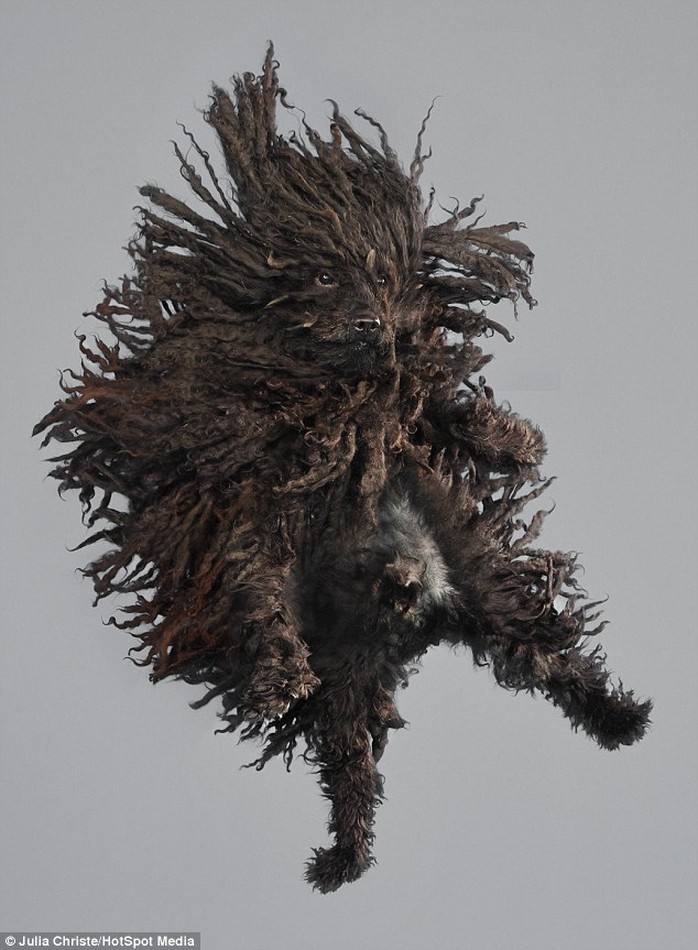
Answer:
(120, 808)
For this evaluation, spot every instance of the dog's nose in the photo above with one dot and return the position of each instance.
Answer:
(367, 327)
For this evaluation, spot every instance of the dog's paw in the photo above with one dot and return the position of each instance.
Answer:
(267, 699)
(329, 868)
(617, 719)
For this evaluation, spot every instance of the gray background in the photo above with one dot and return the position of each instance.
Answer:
(120, 808)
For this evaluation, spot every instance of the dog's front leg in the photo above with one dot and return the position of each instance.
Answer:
(280, 674)
(493, 433)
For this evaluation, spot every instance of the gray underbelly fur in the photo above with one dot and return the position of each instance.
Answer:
(379, 592)
(404, 531)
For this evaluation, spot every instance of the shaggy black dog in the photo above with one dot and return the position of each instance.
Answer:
(316, 485)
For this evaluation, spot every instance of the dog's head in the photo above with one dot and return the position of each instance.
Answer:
(342, 273)
(321, 240)
(320, 255)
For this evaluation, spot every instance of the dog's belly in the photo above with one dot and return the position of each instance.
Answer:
(403, 531)
(382, 594)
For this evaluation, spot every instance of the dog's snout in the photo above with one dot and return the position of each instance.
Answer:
(367, 327)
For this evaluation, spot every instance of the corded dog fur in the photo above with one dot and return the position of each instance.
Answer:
(315, 483)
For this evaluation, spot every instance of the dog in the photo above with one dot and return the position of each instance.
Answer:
(317, 483)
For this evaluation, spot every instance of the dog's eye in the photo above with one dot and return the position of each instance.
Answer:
(381, 280)
(325, 278)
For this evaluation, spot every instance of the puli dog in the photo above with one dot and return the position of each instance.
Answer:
(297, 470)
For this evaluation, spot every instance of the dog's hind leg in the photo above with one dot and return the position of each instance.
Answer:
(579, 685)
(521, 610)
(351, 782)
(575, 681)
